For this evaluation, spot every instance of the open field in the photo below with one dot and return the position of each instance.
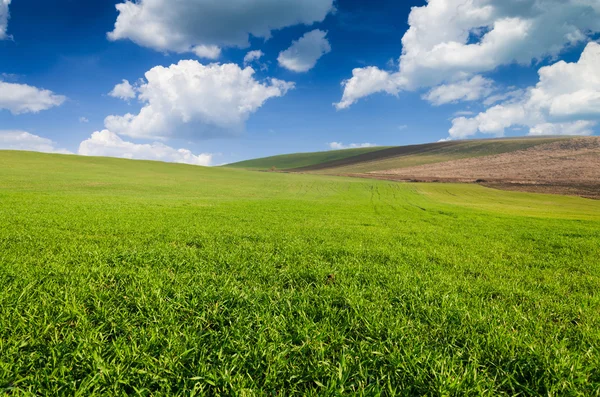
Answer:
(129, 277)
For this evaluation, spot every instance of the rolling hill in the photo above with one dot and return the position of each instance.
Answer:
(570, 166)
(300, 160)
(563, 165)
(410, 156)
(385, 158)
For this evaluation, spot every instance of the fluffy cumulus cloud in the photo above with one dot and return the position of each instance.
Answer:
(109, 144)
(23, 98)
(203, 26)
(367, 81)
(466, 90)
(4, 18)
(193, 100)
(565, 101)
(124, 91)
(304, 53)
(21, 140)
(454, 39)
(340, 145)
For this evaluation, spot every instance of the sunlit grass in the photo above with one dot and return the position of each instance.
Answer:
(122, 277)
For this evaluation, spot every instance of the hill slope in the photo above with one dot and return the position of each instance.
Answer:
(562, 165)
(385, 158)
(298, 160)
(410, 156)
(568, 167)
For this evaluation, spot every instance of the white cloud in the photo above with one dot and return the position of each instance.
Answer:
(340, 146)
(464, 113)
(304, 53)
(21, 140)
(581, 127)
(367, 81)
(493, 122)
(253, 56)
(123, 91)
(193, 100)
(456, 39)
(402, 127)
(84, 120)
(565, 101)
(184, 26)
(109, 144)
(207, 51)
(8, 76)
(466, 90)
(571, 90)
(511, 95)
(4, 15)
(23, 98)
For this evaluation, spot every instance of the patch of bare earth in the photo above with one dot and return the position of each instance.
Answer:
(566, 167)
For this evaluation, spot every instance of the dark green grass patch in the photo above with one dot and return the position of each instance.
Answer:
(297, 160)
(141, 278)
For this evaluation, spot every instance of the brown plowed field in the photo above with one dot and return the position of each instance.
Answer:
(565, 167)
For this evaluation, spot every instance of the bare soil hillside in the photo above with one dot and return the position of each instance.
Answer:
(564, 167)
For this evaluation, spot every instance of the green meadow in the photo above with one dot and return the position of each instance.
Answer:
(126, 277)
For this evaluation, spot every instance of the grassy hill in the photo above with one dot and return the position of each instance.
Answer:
(128, 277)
(297, 160)
(410, 156)
(385, 158)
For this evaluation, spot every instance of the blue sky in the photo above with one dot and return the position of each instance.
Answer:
(400, 72)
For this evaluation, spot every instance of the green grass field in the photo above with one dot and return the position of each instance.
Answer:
(141, 278)
(297, 160)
